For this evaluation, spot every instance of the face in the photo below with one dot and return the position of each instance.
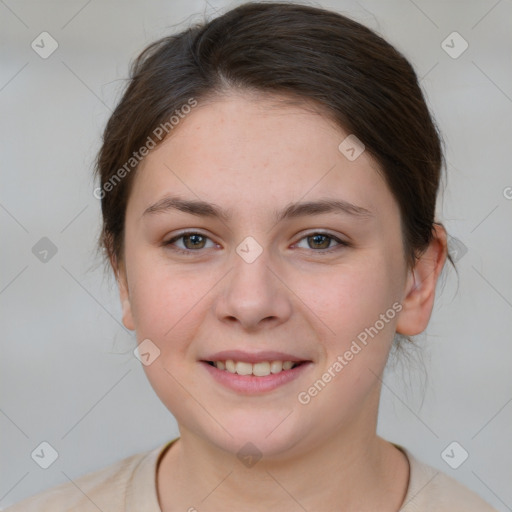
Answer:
(306, 287)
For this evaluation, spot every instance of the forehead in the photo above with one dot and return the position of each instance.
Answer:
(247, 152)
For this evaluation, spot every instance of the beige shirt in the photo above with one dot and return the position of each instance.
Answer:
(130, 486)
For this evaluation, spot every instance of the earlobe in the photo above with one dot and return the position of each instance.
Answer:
(421, 284)
(127, 315)
(124, 295)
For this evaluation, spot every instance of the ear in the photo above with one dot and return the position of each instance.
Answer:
(124, 292)
(421, 286)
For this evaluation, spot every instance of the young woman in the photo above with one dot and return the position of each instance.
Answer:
(268, 186)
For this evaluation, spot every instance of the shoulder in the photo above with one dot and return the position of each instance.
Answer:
(431, 489)
(109, 488)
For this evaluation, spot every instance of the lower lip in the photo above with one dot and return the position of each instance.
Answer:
(250, 384)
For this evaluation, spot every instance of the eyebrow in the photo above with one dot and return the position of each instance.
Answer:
(293, 210)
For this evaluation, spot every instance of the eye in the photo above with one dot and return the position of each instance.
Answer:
(192, 242)
(320, 240)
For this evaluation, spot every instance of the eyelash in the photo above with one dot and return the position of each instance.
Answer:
(190, 252)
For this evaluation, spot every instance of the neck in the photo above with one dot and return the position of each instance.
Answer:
(345, 472)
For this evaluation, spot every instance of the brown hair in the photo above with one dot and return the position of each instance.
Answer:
(358, 79)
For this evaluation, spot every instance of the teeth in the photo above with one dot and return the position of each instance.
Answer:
(243, 368)
(276, 366)
(261, 369)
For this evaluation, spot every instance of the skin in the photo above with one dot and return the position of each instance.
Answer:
(253, 155)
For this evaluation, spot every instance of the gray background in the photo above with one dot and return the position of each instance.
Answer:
(68, 374)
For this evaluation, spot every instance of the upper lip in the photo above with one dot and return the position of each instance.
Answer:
(254, 357)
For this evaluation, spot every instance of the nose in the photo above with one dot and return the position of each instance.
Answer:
(254, 295)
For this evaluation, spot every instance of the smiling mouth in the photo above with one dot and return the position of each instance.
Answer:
(260, 369)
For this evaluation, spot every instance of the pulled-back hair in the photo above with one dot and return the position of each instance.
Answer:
(304, 53)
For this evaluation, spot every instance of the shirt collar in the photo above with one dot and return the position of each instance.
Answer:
(141, 489)
(142, 494)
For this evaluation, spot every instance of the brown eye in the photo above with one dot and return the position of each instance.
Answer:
(194, 241)
(191, 242)
(321, 242)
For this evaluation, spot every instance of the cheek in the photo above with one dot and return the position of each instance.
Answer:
(350, 298)
(166, 306)
(359, 327)
(161, 295)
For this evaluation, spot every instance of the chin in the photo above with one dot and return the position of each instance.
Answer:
(257, 437)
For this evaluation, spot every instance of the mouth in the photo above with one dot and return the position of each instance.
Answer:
(254, 378)
(259, 369)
